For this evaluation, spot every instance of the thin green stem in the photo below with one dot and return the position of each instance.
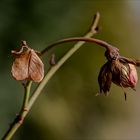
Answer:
(28, 105)
(54, 68)
(26, 99)
(20, 117)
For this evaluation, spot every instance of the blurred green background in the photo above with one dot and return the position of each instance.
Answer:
(68, 109)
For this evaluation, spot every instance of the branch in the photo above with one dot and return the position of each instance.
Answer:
(27, 105)
(85, 39)
(54, 68)
(20, 117)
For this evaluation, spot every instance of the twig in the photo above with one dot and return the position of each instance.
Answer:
(92, 30)
(86, 39)
(54, 68)
(20, 118)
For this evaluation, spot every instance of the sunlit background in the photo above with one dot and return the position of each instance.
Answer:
(68, 109)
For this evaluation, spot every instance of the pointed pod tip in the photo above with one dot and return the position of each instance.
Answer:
(23, 43)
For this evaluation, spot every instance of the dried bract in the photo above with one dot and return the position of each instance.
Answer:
(27, 65)
(105, 78)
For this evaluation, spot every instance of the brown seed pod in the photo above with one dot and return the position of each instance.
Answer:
(124, 74)
(119, 70)
(27, 65)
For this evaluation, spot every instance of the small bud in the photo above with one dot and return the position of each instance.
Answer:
(52, 60)
(27, 65)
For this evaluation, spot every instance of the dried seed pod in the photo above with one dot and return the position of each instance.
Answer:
(105, 78)
(124, 74)
(119, 70)
(133, 76)
(27, 65)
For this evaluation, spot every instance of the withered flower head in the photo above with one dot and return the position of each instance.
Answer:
(27, 65)
(119, 70)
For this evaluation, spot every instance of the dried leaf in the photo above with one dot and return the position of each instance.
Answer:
(27, 65)
(36, 67)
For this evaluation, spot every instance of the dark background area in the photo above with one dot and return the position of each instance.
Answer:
(68, 109)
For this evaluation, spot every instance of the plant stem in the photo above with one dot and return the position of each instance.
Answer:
(26, 99)
(92, 30)
(86, 39)
(20, 117)
(54, 68)
(28, 105)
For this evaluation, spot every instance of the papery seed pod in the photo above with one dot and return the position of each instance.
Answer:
(121, 73)
(105, 78)
(124, 74)
(27, 65)
(133, 76)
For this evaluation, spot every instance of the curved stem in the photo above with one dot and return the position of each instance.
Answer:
(54, 68)
(85, 39)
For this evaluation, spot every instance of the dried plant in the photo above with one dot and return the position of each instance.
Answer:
(28, 67)
(117, 70)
